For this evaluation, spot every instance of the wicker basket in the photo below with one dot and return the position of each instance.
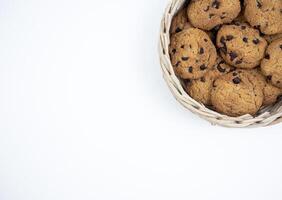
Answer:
(266, 116)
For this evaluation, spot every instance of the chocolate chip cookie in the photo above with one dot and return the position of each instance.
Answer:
(192, 53)
(240, 45)
(265, 15)
(237, 93)
(200, 89)
(207, 14)
(180, 21)
(271, 65)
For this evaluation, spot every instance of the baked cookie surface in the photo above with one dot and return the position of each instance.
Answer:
(192, 53)
(237, 93)
(240, 45)
(207, 14)
(266, 15)
(271, 65)
(200, 89)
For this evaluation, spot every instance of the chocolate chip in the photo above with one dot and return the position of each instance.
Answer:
(220, 69)
(278, 82)
(235, 74)
(173, 51)
(215, 4)
(207, 9)
(185, 58)
(280, 46)
(232, 69)
(222, 40)
(205, 40)
(201, 50)
(259, 5)
(190, 46)
(190, 69)
(229, 37)
(245, 39)
(236, 80)
(211, 15)
(269, 78)
(257, 26)
(233, 55)
(267, 56)
(203, 79)
(182, 46)
(203, 67)
(243, 27)
(238, 62)
(177, 64)
(256, 41)
(178, 30)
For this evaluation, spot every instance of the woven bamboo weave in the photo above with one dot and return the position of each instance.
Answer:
(266, 116)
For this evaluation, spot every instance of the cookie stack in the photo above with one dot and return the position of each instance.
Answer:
(229, 53)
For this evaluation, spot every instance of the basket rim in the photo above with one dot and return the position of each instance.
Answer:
(267, 116)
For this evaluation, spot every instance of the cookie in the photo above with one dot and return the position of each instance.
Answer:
(265, 15)
(271, 38)
(271, 65)
(200, 89)
(270, 92)
(180, 22)
(237, 93)
(207, 14)
(241, 46)
(192, 53)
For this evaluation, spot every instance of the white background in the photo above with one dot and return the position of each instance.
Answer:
(85, 113)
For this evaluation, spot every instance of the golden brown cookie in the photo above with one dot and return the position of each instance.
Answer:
(271, 65)
(192, 53)
(180, 22)
(237, 93)
(241, 46)
(200, 89)
(270, 92)
(207, 14)
(265, 15)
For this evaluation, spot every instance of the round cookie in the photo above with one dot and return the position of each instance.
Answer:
(271, 65)
(207, 14)
(180, 22)
(237, 93)
(192, 53)
(241, 46)
(265, 15)
(200, 89)
(270, 92)
(271, 38)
